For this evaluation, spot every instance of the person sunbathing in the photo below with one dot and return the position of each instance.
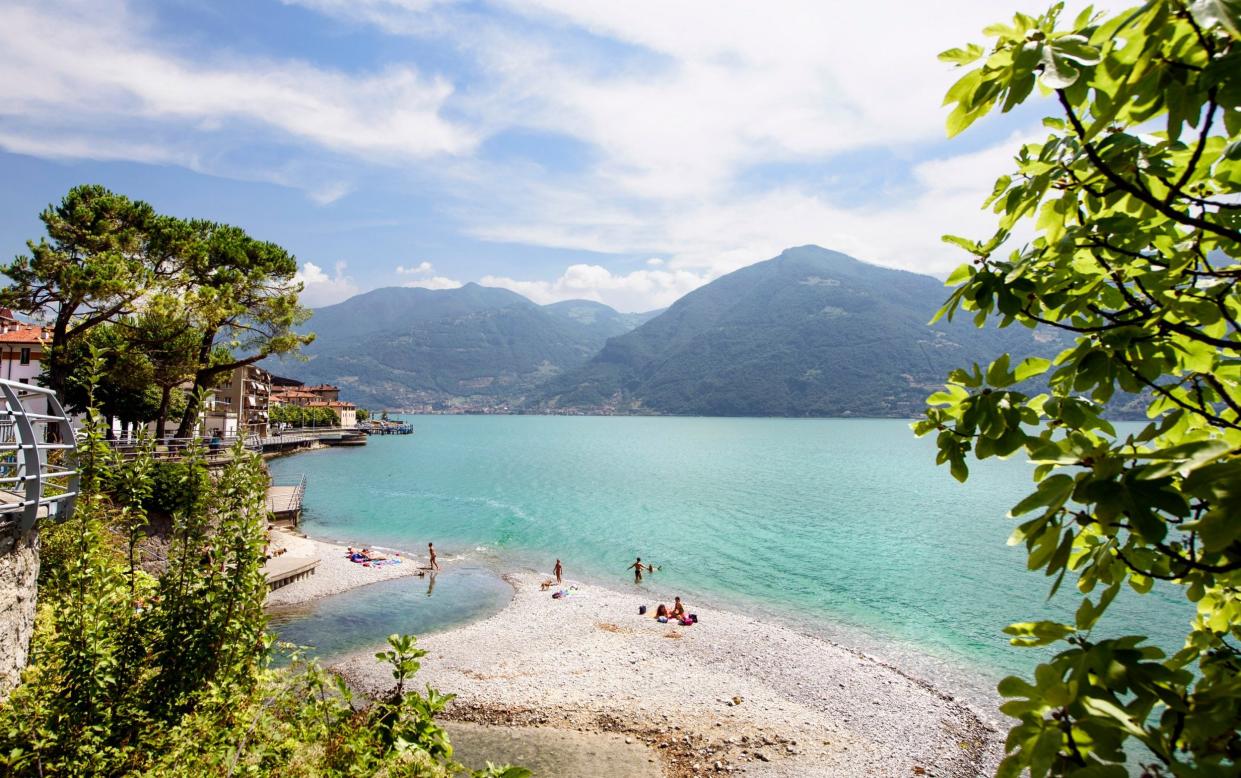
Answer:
(678, 610)
(661, 612)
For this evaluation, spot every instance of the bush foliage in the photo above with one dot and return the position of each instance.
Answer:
(174, 676)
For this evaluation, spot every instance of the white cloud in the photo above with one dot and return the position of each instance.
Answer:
(640, 290)
(399, 17)
(434, 282)
(685, 109)
(328, 193)
(422, 268)
(321, 289)
(94, 69)
(426, 277)
(718, 235)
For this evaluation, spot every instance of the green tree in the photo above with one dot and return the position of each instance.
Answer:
(244, 300)
(133, 675)
(1133, 198)
(102, 253)
(300, 416)
(165, 333)
(119, 385)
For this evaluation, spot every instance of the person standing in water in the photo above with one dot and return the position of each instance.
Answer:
(558, 571)
(431, 551)
(637, 568)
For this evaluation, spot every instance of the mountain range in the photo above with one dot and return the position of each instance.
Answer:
(402, 347)
(811, 332)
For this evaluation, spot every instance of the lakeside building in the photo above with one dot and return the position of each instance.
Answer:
(346, 412)
(21, 353)
(293, 397)
(242, 403)
(291, 392)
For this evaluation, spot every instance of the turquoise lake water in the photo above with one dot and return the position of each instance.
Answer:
(844, 528)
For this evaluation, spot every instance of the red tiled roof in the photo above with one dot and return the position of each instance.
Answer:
(293, 393)
(23, 333)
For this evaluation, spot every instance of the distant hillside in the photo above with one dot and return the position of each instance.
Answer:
(810, 333)
(400, 347)
(602, 320)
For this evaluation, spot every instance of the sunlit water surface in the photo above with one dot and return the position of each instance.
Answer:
(844, 528)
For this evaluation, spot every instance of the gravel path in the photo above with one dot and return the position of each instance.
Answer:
(730, 694)
(335, 573)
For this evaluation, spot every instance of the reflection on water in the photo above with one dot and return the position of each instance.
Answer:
(364, 617)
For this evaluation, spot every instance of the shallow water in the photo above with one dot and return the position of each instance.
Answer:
(552, 752)
(845, 528)
(361, 618)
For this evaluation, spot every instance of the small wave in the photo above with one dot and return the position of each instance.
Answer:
(515, 510)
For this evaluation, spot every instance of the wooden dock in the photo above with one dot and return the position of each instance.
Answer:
(284, 502)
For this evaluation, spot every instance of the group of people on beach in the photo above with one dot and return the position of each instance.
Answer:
(368, 558)
(663, 613)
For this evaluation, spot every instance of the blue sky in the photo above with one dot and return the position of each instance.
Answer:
(624, 152)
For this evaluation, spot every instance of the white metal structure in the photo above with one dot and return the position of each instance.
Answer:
(31, 487)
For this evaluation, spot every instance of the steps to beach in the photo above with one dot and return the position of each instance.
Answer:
(286, 569)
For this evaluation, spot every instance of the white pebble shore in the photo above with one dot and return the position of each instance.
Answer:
(335, 573)
(591, 655)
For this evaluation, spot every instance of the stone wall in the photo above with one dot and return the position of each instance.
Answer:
(19, 571)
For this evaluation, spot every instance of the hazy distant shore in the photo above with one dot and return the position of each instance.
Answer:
(750, 695)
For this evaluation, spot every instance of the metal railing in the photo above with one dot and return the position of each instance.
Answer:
(285, 502)
(293, 435)
(31, 486)
(172, 449)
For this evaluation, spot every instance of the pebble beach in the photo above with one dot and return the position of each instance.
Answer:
(730, 694)
(335, 573)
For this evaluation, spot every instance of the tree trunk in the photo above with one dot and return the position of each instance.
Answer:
(161, 418)
(201, 377)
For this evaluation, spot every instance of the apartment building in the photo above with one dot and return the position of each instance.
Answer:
(240, 406)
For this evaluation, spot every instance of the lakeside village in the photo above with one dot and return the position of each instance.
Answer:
(272, 414)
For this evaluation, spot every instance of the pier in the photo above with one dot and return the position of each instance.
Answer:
(387, 428)
(284, 502)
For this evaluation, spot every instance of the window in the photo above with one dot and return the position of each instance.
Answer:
(25, 359)
(24, 380)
